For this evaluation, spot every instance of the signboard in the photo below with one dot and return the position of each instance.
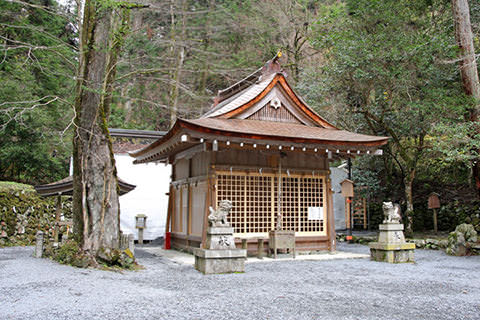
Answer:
(315, 213)
(433, 201)
(347, 188)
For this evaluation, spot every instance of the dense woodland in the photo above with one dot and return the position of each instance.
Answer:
(371, 66)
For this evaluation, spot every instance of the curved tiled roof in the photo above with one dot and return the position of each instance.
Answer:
(285, 131)
(240, 98)
(65, 187)
(228, 119)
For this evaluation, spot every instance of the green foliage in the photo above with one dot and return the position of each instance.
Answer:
(460, 241)
(36, 72)
(70, 253)
(384, 61)
(67, 252)
(11, 187)
(370, 66)
(23, 212)
(376, 214)
(456, 213)
(386, 73)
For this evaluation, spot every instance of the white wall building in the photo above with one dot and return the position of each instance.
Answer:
(151, 181)
(149, 197)
(338, 174)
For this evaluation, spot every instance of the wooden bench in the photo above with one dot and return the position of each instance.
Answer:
(260, 243)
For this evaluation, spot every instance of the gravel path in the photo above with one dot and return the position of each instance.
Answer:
(436, 287)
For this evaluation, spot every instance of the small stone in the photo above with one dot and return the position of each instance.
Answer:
(419, 243)
(443, 243)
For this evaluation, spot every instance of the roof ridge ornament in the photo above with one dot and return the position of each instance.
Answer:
(275, 103)
(271, 66)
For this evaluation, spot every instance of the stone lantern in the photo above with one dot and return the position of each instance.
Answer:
(140, 224)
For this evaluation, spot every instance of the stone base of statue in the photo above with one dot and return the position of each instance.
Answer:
(391, 246)
(220, 254)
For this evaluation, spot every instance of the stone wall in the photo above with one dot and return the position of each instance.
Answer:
(24, 212)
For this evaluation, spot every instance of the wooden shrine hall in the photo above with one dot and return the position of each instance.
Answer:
(264, 149)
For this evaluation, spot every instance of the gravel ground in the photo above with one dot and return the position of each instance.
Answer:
(436, 287)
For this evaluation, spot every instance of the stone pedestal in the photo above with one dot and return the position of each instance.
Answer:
(391, 246)
(220, 254)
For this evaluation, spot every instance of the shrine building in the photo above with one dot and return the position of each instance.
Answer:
(262, 147)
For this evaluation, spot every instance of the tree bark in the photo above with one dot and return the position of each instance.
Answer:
(179, 59)
(408, 216)
(96, 206)
(206, 43)
(468, 67)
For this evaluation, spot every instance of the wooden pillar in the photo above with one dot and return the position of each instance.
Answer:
(208, 203)
(180, 214)
(332, 243)
(347, 213)
(174, 209)
(364, 202)
(189, 211)
(58, 211)
(169, 210)
(189, 215)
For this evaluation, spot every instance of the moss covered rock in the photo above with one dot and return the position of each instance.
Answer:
(461, 240)
(23, 212)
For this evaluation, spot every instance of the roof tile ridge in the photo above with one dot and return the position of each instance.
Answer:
(271, 66)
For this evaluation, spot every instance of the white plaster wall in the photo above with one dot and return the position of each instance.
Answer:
(149, 197)
(338, 175)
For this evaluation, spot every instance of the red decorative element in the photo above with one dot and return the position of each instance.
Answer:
(349, 238)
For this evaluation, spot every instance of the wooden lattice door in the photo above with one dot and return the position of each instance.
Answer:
(255, 202)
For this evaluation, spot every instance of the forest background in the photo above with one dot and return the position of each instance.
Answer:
(370, 66)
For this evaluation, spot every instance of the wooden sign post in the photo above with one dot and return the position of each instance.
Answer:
(434, 203)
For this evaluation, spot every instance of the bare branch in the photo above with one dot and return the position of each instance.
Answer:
(459, 59)
(44, 8)
(15, 113)
(39, 30)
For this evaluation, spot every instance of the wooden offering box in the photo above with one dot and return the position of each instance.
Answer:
(281, 239)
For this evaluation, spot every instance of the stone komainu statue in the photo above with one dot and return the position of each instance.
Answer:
(218, 218)
(392, 212)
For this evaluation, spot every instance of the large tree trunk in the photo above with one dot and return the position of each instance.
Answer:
(468, 66)
(179, 54)
(408, 216)
(206, 43)
(95, 195)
